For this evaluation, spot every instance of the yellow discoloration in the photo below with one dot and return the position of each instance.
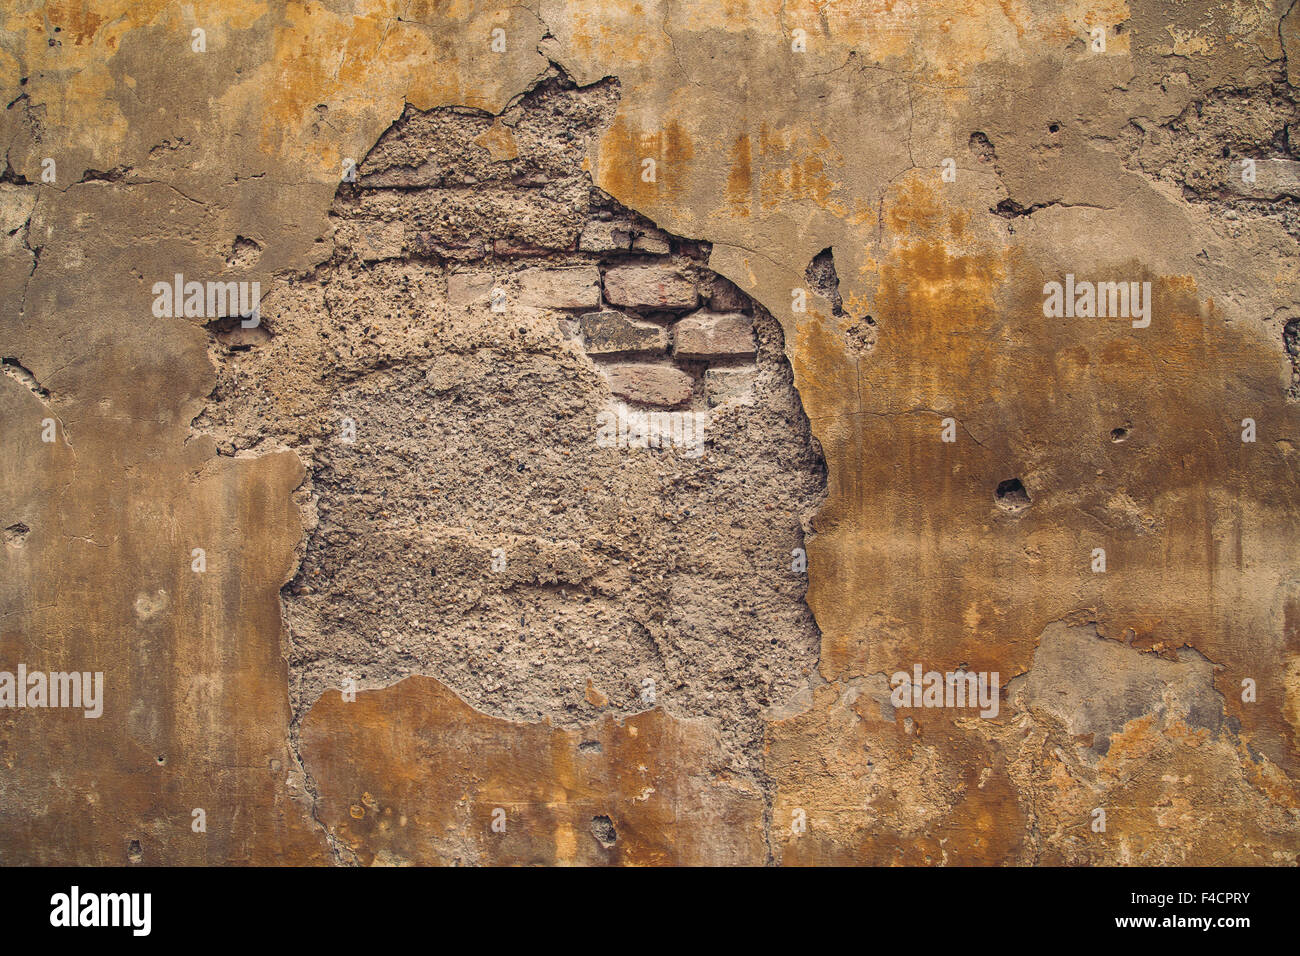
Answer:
(417, 743)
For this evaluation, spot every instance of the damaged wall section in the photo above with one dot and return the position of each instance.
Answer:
(445, 375)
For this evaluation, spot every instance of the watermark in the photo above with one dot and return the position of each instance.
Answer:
(208, 300)
(73, 909)
(953, 689)
(626, 428)
(39, 689)
(1100, 300)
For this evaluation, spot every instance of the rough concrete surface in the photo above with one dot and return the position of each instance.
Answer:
(637, 406)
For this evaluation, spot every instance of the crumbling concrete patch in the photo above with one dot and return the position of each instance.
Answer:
(482, 507)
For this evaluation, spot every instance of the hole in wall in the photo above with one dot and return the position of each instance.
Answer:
(824, 280)
(244, 253)
(1011, 495)
(982, 147)
(602, 828)
(230, 332)
(862, 335)
(15, 369)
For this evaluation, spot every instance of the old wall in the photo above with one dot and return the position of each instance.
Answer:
(826, 225)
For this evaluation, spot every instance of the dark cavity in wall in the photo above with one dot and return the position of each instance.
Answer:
(825, 281)
(982, 147)
(602, 828)
(1011, 495)
(454, 377)
(860, 332)
(1291, 344)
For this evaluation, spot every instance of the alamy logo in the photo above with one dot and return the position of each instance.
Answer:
(953, 689)
(74, 909)
(1087, 300)
(208, 300)
(53, 689)
(624, 428)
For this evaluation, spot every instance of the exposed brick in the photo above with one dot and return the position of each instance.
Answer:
(375, 240)
(724, 296)
(1274, 178)
(649, 384)
(605, 236)
(613, 333)
(731, 384)
(469, 288)
(511, 247)
(424, 244)
(650, 287)
(711, 335)
(654, 242)
(576, 287)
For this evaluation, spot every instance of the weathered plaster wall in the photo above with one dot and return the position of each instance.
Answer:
(1121, 690)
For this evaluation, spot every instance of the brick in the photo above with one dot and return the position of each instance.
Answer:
(604, 236)
(648, 287)
(569, 287)
(1274, 178)
(469, 288)
(724, 296)
(654, 242)
(712, 335)
(376, 240)
(649, 384)
(613, 333)
(507, 248)
(731, 384)
(424, 244)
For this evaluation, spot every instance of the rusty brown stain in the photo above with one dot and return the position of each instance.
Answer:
(623, 150)
(948, 795)
(80, 22)
(961, 331)
(434, 770)
(740, 178)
